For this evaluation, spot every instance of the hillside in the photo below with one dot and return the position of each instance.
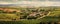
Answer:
(36, 15)
(33, 12)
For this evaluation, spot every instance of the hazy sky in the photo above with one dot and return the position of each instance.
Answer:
(32, 2)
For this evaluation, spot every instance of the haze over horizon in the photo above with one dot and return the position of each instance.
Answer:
(31, 2)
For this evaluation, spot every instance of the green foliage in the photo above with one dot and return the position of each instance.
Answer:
(33, 21)
(11, 22)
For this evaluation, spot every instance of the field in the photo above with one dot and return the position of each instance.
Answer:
(40, 15)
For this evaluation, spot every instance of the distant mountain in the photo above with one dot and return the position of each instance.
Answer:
(8, 4)
(20, 5)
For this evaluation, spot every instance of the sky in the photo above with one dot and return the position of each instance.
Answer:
(32, 2)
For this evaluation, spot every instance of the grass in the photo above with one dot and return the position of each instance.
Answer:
(33, 21)
(8, 16)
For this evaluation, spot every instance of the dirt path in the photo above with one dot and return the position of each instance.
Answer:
(44, 16)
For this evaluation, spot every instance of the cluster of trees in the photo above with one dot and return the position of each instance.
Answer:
(32, 13)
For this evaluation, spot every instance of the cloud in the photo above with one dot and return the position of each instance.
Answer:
(38, 3)
(30, 3)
